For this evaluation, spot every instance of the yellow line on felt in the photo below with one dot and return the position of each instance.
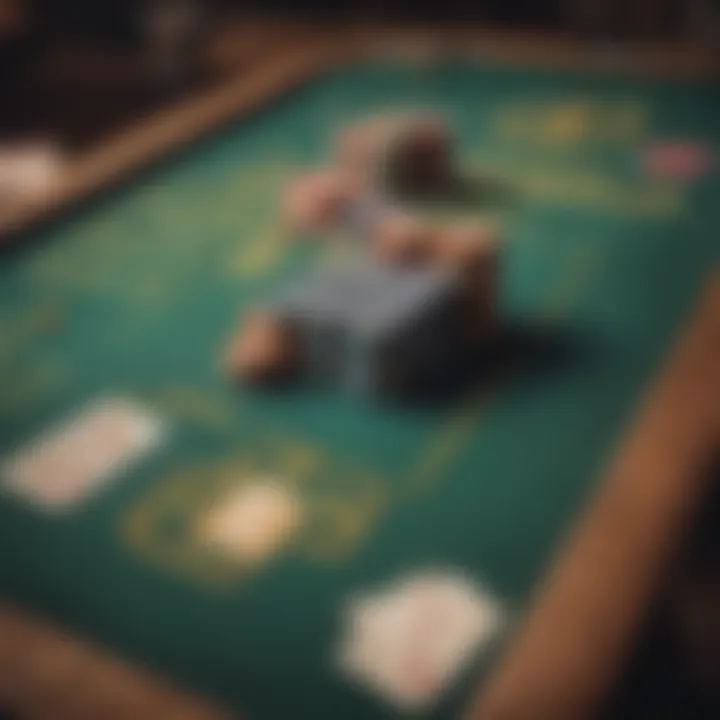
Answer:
(450, 439)
(261, 254)
(181, 496)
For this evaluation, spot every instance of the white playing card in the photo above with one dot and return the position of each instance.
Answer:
(75, 458)
(374, 650)
(411, 640)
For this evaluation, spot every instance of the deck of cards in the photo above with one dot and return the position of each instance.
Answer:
(410, 641)
(75, 458)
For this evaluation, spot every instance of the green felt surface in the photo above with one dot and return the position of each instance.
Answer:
(135, 294)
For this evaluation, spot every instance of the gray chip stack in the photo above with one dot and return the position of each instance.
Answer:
(374, 328)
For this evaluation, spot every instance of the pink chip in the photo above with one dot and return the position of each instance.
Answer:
(685, 160)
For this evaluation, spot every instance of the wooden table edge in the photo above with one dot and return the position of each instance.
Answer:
(160, 134)
(48, 674)
(514, 689)
(659, 59)
(591, 604)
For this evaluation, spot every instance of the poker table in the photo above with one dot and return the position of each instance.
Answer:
(556, 480)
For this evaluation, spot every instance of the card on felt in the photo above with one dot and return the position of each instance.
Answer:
(78, 456)
(410, 641)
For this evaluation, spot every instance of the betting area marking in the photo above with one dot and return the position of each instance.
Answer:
(296, 501)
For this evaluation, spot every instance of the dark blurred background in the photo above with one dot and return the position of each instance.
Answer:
(74, 70)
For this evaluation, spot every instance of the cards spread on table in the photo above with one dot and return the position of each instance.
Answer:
(75, 458)
(409, 642)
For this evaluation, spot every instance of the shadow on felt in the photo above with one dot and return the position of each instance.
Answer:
(523, 353)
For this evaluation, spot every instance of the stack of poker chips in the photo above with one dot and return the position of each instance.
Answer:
(416, 294)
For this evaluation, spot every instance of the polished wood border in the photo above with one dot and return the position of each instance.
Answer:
(50, 675)
(271, 64)
(587, 612)
(668, 59)
(590, 605)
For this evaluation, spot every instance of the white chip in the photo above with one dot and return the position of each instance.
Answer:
(29, 170)
(252, 520)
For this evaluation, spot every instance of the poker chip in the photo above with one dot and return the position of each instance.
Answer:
(252, 520)
(685, 160)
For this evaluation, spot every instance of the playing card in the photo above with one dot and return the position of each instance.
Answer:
(78, 456)
(411, 640)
